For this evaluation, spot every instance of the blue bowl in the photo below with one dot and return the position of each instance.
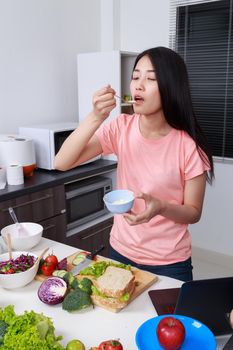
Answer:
(119, 201)
(197, 335)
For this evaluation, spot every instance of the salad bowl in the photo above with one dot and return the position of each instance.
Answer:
(19, 271)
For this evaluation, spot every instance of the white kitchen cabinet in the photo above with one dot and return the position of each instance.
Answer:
(98, 69)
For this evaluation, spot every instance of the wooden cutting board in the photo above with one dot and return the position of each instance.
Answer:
(143, 279)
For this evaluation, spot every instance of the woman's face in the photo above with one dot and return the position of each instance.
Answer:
(144, 88)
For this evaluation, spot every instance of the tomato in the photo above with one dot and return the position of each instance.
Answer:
(52, 259)
(110, 345)
(47, 268)
(10, 271)
(83, 252)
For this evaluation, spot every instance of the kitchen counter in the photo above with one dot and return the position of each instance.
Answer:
(43, 179)
(90, 326)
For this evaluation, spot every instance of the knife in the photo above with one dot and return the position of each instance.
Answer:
(88, 260)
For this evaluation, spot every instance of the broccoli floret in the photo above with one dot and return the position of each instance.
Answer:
(85, 285)
(68, 278)
(74, 284)
(76, 300)
(3, 330)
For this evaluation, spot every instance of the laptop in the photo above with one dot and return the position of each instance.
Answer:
(210, 301)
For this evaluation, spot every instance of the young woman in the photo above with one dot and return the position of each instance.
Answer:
(163, 157)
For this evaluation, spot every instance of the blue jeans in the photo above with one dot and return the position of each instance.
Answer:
(181, 270)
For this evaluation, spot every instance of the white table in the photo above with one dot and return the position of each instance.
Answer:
(90, 326)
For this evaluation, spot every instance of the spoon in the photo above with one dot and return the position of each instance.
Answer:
(40, 256)
(125, 101)
(9, 246)
(19, 226)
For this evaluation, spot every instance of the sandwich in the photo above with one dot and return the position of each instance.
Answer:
(113, 284)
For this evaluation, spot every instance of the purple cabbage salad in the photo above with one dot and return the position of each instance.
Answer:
(20, 264)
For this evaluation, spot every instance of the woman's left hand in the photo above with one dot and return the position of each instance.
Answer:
(153, 207)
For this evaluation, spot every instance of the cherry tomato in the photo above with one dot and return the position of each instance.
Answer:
(47, 268)
(51, 259)
(83, 252)
(110, 345)
(10, 271)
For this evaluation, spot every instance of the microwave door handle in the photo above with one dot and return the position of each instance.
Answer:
(80, 191)
(85, 189)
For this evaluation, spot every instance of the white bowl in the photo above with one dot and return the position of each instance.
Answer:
(119, 201)
(24, 239)
(18, 279)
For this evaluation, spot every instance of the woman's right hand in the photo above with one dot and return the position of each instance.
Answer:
(104, 102)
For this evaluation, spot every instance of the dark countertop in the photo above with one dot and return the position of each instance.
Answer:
(43, 179)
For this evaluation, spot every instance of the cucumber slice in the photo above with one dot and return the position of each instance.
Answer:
(80, 257)
(65, 275)
(59, 273)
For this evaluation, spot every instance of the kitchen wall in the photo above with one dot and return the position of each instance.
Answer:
(143, 24)
(39, 42)
(133, 26)
(214, 232)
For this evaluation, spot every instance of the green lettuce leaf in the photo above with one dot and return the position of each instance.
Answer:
(98, 268)
(95, 291)
(31, 331)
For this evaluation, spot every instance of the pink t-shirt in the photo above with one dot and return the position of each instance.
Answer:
(160, 168)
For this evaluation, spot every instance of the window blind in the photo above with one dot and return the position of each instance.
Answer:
(201, 32)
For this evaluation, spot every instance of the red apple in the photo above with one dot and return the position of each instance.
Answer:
(171, 333)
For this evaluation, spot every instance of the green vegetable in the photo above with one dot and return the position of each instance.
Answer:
(80, 257)
(59, 273)
(76, 300)
(28, 331)
(95, 291)
(98, 268)
(68, 278)
(75, 284)
(3, 330)
(42, 328)
(85, 285)
(125, 297)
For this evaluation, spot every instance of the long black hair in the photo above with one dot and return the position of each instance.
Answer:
(173, 83)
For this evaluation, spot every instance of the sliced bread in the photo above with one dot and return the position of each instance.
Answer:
(115, 282)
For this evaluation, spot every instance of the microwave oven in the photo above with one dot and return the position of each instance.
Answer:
(48, 139)
(84, 200)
